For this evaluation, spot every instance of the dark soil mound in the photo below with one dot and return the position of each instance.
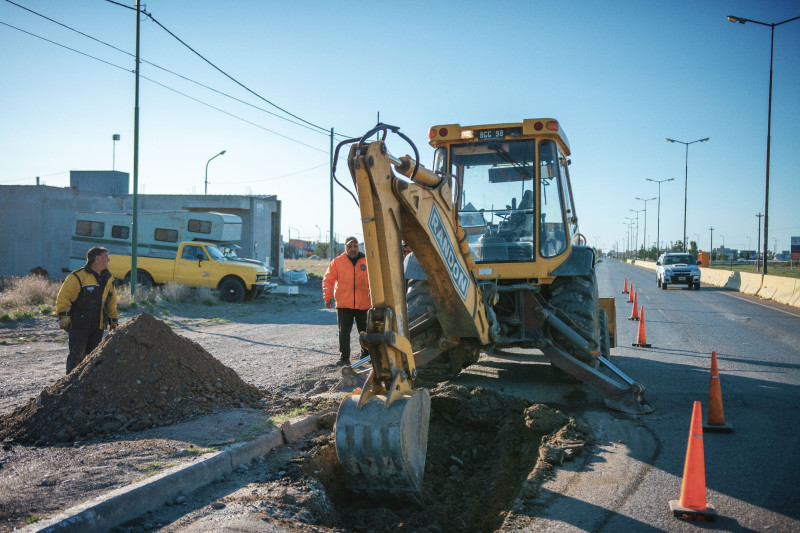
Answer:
(142, 375)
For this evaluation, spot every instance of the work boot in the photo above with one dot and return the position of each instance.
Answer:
(343, 362)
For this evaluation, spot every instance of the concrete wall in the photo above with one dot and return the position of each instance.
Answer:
(778, 288)
(37, 221)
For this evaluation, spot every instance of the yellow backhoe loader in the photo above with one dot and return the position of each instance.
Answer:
(497, 262)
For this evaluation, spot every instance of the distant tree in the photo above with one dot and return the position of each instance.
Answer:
(322, 249)
(693, 249)
(290, 251)
(676, 246)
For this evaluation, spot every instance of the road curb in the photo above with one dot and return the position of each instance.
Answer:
(120, 505)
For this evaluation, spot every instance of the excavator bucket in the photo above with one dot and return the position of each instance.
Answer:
(381, 447)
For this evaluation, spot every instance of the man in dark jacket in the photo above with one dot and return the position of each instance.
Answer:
(86, 303)
(347, 282)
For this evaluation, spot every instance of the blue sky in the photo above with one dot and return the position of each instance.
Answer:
(619, 76)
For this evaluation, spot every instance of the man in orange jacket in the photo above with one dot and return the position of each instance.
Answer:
(346, 281)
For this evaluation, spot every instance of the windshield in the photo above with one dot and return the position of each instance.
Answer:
(678, 260)
(497, 198)
(215, 254)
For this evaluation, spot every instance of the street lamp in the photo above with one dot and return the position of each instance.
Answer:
(636, 241)
(645, 200)
(658, 230)
(114, 138)
(209, 161)
(741, 20)
(686, 182)
(629, 223)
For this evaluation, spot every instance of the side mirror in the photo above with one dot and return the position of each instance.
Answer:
(658, 263)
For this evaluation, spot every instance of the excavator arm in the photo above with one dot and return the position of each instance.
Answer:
(381, 430)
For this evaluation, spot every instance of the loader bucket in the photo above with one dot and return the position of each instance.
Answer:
(382, 448)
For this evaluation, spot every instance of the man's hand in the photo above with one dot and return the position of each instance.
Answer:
(65, 323)
(329, 303)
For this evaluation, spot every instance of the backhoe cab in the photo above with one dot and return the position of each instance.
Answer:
(498, 262)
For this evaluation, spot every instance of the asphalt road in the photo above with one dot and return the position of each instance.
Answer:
(625, 480)
(751, 474)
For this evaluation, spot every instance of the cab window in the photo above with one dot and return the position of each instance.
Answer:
(553, 235)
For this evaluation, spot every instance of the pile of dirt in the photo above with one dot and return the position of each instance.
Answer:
(142, 375)
(487, 456)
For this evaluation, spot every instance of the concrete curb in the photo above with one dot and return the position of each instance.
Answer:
(118, 506)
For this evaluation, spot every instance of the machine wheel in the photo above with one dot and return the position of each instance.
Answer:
(577, 297)
(143, 280)
(658, 281)
(664, 285)
(697, 286)
(448, 364)
(231, 290)
(605, 339)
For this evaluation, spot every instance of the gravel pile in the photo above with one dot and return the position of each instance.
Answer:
(143, 375)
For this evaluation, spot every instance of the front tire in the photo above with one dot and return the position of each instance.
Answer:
(231, 290)
(576, 296)
(143, 280)
(447, 364)
(664, 285)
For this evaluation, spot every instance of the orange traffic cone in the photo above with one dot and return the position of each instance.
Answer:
(715, 420)
(641, 338)
(625, 286)
(692, 503)
(635, 310)
(630, 293)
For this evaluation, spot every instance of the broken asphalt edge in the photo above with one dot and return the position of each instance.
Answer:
(126, 503)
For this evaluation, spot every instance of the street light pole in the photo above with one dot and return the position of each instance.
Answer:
(209, 161)
(629, 223)
(711, 248)
(741, 20)
(758, 247)
(658, 230)
(686, 181)
(636, 241)
(645, 200)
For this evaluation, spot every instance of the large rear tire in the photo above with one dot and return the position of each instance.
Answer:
(576, 296)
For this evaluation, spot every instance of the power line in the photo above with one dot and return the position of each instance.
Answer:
(39, 176)
(186, 78)
(166, 87)
(237, 82)
(325, 164)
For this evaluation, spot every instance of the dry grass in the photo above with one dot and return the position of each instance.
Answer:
(173, 293)
(25, 293)
(317, 267)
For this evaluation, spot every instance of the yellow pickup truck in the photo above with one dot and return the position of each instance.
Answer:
(197, 264)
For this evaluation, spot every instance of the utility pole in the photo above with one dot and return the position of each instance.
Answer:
(758, 247)
(331, 167)
(135, 225)
(711, 249)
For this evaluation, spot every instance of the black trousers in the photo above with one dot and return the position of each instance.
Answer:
(346, 317)
(82, 342)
